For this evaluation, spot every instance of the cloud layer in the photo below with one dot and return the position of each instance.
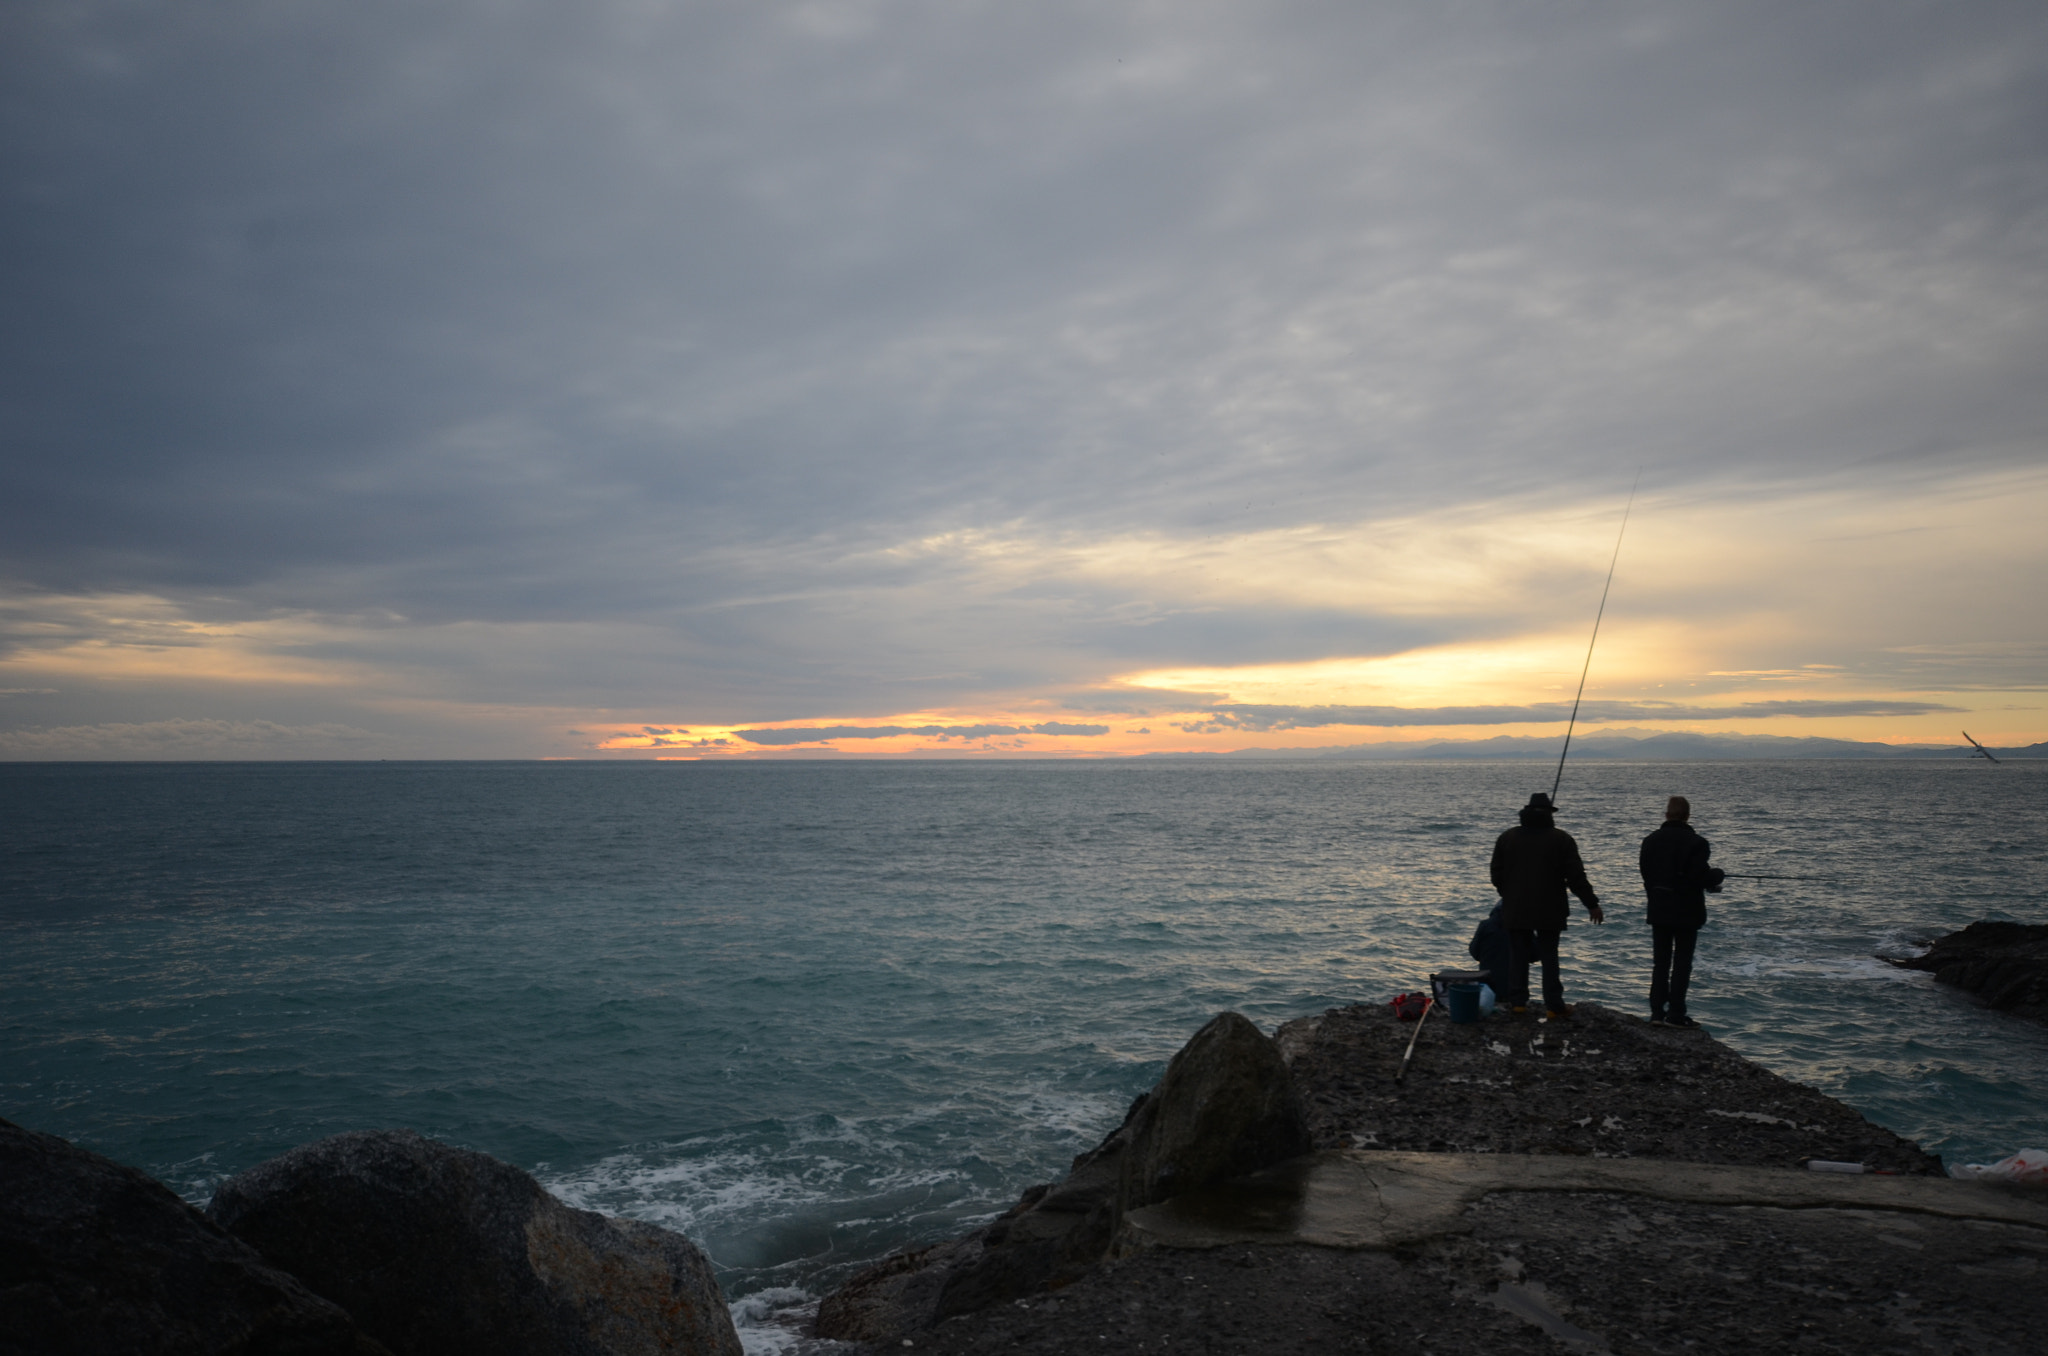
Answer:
(1264, 718)
(475, 372)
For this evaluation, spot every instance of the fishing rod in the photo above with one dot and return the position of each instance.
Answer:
(1427, 1004)
(1751, 875)
(1573, 723)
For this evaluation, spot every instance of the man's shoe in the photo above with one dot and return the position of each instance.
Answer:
(1519, 1010)
(1563, 1014)
(1656, 1019)
(1681, 1021)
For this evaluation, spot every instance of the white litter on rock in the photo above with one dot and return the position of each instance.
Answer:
(1761, 1119)
(2028, 1166)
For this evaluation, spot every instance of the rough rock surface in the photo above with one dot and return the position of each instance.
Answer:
(1557, 1273)
(96, 1257)
(1226, 1106)
(1604, 1083)
(439, 1251)
(2005, 964)
(1531, 1271)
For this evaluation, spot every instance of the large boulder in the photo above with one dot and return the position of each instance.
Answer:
(1226, 1106)
(98, 1258)
(2005, 964)
(440, 1251)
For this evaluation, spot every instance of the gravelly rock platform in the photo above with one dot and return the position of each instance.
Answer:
(1603, 1084)
(1570, 1272)
(1797, 1264)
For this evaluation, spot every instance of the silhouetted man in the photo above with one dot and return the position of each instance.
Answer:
(1533, 865)
(1677, 879)
(1494, 949)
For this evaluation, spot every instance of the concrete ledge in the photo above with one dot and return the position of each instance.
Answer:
(1378, 1200)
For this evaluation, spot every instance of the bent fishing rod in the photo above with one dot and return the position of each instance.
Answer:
(1573, 723)
(1751, 875)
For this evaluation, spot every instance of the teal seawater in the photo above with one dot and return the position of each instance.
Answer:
(810, 1012)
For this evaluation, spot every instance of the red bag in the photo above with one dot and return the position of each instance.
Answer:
(1409, 1006)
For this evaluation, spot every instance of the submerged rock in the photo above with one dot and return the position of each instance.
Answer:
(439, 1251)
(1226, 1106)
(2005, 964)
(96, 1258)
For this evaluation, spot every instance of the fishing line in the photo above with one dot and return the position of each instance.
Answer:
(1559, 779)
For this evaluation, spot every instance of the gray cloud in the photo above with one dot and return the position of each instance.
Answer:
(1264, 718)
(191, 739)
(669, 319)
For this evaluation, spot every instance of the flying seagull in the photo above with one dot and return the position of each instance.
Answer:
(1980, 748)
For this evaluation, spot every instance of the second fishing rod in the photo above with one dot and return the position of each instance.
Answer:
(1573, 723)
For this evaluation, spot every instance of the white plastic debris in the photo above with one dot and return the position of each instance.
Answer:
(2028, 1165)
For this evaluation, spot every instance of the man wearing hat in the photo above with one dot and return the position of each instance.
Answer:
(1677, 879)
(1533, 865)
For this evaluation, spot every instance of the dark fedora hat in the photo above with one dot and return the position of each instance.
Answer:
(1539, 801)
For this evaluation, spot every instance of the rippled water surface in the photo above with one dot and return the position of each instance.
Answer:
(808, 1012)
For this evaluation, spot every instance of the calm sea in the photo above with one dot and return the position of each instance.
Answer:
(809, 1012)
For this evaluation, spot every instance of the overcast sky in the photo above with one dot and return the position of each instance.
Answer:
(437, 379)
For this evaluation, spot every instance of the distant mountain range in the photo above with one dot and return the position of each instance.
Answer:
(1642, 746)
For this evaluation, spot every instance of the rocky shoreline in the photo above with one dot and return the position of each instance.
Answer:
(1530, 1184)
(1596, 1184)
(376, 1243)
(1615, 1267)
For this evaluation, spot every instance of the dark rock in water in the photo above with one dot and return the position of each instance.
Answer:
(1225, 1107)
(440, 1251)
(2005, 964)
(99, 1258)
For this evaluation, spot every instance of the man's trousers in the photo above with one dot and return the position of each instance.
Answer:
(1670, 970)
(1531, 946)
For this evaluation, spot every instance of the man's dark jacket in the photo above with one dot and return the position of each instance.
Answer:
(1532, 867)
(1676, 876)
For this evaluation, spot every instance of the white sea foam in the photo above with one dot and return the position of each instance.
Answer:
(851, 1172)
(1080, 1116)
(698, 1185)
(776, 1322)
(1807, 965)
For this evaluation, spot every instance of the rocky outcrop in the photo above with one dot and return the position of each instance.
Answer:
(2005, 964)
(1225, 1107)
(98, 1258)
(439, 1251)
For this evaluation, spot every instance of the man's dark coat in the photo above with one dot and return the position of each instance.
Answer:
(1676, 876)
(1532, 867)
